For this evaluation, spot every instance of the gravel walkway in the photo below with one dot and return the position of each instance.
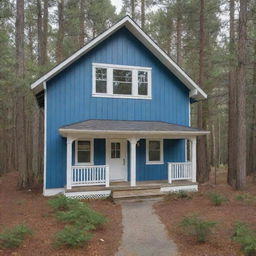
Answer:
(144, 234)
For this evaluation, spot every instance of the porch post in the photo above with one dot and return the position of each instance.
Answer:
(69, 162)
(133, 142)
(193, 160)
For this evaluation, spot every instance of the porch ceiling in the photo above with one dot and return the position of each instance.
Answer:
(141, 129)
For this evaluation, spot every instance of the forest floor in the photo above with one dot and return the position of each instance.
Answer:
(172, 210)
(31, 208)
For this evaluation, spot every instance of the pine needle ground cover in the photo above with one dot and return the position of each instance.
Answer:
(31, 208)
(225, 238)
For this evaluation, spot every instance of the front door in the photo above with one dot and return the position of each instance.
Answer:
(116, 159)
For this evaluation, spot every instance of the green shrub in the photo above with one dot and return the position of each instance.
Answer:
(246, 237)
(197, 226)
(82, 216)
(179, 195)
(216, 198)
(71, 236)
(247, 198)
(12, 238)
(62, 203)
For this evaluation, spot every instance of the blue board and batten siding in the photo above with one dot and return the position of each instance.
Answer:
(69, 99)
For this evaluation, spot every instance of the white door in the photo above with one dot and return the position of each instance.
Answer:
(116, 159)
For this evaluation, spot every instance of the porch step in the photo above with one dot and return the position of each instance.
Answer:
(135, 193)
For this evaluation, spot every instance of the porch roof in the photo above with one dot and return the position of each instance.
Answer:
(124, 127)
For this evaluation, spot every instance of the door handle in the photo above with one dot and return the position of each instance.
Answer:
(123, 161)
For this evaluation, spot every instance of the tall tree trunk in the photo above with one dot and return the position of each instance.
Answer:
(133, 9)
(178, 32)
(19, 39)
(60, 36)
(81, 24)
(202, 159)
(45, 33)
(241, 100)
(20, 108)
(143, 14)
(231, 178)
(39, 32)
(252, 158)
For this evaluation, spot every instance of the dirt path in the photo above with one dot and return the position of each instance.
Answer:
(143, 233)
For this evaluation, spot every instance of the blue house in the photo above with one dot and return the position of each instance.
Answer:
(117, 118)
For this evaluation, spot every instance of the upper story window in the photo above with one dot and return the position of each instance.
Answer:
(121, 81)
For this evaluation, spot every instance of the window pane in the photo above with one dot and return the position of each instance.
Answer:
(115, 150)
(122, 88)
(101, 86)
(83, 157)
(154, 153)
(154, 145)
(101, 74)
(143, 76)
(154, 156)
(117, 145)
(122, 75)
(84, 145)
(142, 82)
(118, 153)
(122, 82)
(143, 89)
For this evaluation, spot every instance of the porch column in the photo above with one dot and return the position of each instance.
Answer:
(69, 162)
(193, 158)
(133, 142)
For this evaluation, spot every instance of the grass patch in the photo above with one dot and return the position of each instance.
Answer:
(72, 236)
(246, 237)
(198, 227)
(216, 198)
(80, 219)
(12, 238)
(246, 198)
(179, 195)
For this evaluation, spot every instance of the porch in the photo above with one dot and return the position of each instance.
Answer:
(134, 155)
(120, 190)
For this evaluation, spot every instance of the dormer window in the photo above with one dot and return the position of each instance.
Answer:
(118, 81)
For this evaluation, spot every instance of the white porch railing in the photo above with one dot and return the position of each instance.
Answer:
(90, 175)
(179, 171)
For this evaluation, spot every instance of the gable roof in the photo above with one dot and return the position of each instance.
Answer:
(195, 91)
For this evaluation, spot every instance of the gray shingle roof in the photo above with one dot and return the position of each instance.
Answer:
(128, 126)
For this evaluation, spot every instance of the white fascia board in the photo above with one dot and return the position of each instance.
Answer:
(145, 39)
(74, 133)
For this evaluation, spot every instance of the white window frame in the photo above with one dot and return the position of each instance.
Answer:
(91, 152)
(109, 93)
(161, 161)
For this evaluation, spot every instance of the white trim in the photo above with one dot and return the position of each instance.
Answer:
(144, 134)
(89, 194)
(144, 38)
(117, 66)
(109, 86)
(91, 152)
(53, 191)
(189, 188)
(161, 161)
(45, 135)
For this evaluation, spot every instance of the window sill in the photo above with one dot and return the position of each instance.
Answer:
(154, 163)
(119, 96)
